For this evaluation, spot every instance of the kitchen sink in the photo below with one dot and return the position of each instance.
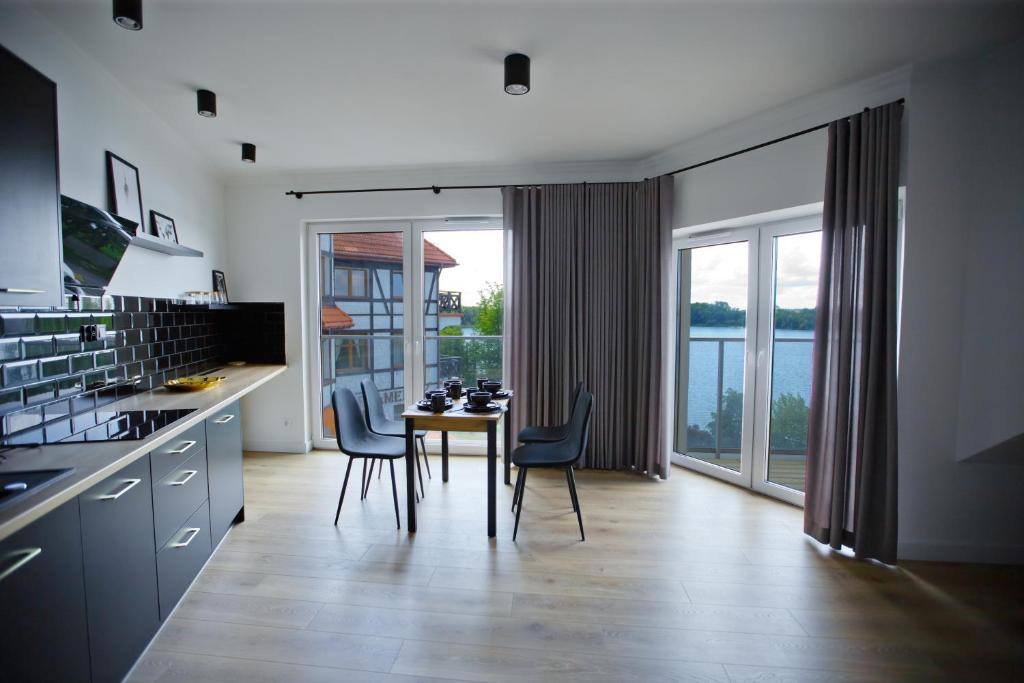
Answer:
(15, 485)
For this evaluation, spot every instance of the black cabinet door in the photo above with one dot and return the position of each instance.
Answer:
(120, 570)
(224, 461)
(30, 256)
(44, 636)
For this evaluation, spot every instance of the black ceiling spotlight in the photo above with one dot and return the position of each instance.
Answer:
(206, 103)
(128, 14)
(517, 74)
(248, 153)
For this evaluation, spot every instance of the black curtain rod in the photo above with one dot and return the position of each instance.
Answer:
(436, 189)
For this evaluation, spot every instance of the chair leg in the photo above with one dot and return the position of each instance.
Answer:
(517, 492)
(575, 501)
(341, 499)
(522, 493)
(426, 460)
(362, 482)
(419, 471)
(394, 492)
(368, 478)
(568, 480)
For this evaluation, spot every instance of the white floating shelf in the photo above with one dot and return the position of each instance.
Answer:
(163, 246)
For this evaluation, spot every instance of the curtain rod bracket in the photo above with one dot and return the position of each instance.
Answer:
(435, 189)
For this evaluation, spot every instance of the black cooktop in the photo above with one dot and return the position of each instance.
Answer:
(101, 425)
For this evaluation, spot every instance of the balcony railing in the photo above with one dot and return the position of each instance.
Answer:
(449, 302)
(715, 434)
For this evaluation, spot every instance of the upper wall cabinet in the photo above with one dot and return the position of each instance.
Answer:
(30, 245)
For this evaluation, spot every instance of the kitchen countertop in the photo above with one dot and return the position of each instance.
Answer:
(94, 462)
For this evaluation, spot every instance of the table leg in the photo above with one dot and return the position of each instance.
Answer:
(508, 444)
(444, 457)
(410, 478)
(492, 471)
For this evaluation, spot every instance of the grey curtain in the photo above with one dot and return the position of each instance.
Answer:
(851, 468)
(587, 301)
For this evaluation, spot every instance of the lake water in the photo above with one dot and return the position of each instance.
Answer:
(791, 368)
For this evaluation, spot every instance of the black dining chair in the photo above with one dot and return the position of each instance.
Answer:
(381, 424)
(555, 433)
(357, 441)
(556, 454)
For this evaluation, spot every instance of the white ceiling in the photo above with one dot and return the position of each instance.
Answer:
(341, 85)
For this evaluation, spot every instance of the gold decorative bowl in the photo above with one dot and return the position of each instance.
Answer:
(193, 383)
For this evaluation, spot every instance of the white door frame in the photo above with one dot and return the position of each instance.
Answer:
(680, 247)
(412, 230)
(760, 238)
(314, 229)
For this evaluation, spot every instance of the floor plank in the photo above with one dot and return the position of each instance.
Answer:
(688, 579)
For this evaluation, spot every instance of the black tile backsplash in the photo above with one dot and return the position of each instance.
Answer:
(48, 375)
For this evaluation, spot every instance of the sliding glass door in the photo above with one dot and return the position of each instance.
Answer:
(744, 331)
(405, 304)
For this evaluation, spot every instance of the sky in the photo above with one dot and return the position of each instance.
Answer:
(719, 273)
(479, 253)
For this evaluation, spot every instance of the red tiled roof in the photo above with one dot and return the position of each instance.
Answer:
(333, 319)
(385, 247)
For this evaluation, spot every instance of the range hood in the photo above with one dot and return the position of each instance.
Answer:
(94, 243)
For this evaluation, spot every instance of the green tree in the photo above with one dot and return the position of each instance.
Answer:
(732, 420)
(491, 310)
(789, 423)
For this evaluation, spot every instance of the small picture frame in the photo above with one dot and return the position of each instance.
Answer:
(125, 190)
(163, 226)
(220, 286)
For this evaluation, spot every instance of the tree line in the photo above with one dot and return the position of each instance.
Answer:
(721, 314)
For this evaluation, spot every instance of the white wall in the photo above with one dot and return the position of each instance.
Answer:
(779, 176)
(991, 413)
(97, 114)
(961, 326)
(266, 261)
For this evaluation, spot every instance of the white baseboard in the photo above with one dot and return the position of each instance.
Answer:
(278, 446)
(956, 552)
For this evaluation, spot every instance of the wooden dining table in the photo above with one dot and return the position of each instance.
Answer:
(458, 420)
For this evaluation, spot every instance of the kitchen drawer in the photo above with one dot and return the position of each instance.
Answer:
(179, 449)
(182, 557)
(42, 601)
(177, 495)
(120, 570)
(224, 457)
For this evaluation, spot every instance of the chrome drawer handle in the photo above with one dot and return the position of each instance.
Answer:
(128, 485)
(224, 420)
(179, 451)
(188, 475)
(24, 556)
(21, 290)
(191, 533)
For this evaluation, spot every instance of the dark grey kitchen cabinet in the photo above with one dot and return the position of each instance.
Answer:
(30, 260)
(180, 559)
(224, 461)
(120, 570)
(42, 594)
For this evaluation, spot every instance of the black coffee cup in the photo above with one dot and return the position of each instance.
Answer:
(438, 402)
(430, 392)
(492, 386)
(479, 399)
(455, 389)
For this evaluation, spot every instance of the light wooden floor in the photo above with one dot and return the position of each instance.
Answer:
(689, 579)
